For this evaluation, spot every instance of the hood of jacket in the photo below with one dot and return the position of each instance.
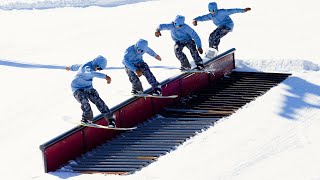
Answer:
(213, 6)
(179, 20)
(100, 61)
(141, 44)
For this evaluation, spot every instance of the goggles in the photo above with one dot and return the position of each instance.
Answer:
(176, 24)
(139, 50)
(99, 68)
(211, 10)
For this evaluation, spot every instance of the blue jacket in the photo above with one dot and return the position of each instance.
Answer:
(183, 34)
(220, 16)
(132, 56)
(86, 72)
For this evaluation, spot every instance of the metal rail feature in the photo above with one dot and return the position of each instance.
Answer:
(133, 150)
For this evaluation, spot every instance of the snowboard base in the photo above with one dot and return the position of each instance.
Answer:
(154, 96)
(100, 126)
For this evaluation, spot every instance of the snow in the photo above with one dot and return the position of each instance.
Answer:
(47, 4)
(274, 137)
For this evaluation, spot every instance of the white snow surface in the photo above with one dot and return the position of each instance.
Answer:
(274, 137)
(48, 4)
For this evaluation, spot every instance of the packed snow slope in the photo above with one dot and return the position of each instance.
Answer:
(274, 137)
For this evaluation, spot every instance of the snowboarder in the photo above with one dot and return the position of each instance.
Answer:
(221, 18)
(83, 90)
(136, 67)
(184, 36)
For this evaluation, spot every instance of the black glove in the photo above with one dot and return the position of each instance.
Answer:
(200, 50)
(194, 22)
(247, 9)
(157, 33)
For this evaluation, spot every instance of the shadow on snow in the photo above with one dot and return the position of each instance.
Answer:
(44, 66)
(27, 65)
(298, 91)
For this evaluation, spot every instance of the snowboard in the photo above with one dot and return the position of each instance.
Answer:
(99, 126)
(198, 71)
(154, 96)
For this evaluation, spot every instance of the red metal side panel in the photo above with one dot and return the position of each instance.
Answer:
(194, 82)
(94, 136)
(223, 66)
(71, 146)
(117, 114)
(172, 88)
(136, 112)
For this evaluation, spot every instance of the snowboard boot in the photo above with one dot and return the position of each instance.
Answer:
(136, 92)
(111, 121)
(184, 68)
(199, 67)
(211, 53)
(157, 91)
(85, 121)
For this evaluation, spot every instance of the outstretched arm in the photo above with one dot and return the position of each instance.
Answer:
(201, 18)
(233, 11)
(163, 27)
(153, 54)
(74, 67)
(101, 76)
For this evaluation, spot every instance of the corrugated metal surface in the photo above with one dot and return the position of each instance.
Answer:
(133, 150)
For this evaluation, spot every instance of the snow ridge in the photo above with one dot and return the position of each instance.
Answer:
(49, 4)
(284, 65)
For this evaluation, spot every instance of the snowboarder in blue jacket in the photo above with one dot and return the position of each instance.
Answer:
(221, 18)
(136, 67)
(83, 90)
(183, 36)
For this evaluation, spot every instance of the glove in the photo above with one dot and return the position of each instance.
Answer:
(200, 50)
(139, 73)
(157, 33)
(247, 9)
(158, 58)
(194, 22)
(108, 78)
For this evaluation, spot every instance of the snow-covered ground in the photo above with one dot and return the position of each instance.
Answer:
(47, 4)
(274, 137)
